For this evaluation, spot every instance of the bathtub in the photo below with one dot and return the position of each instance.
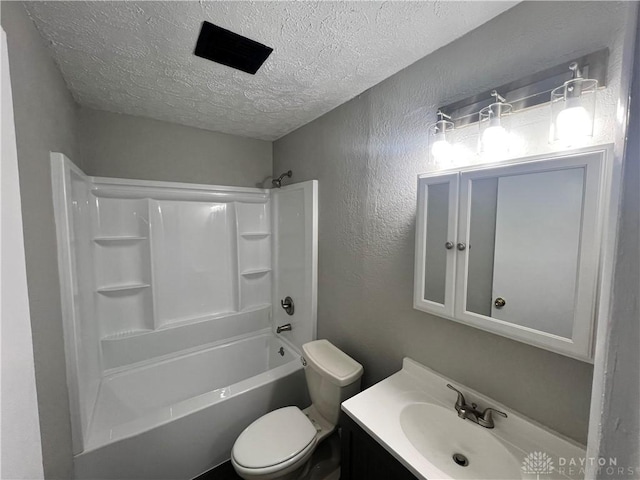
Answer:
(179, 417)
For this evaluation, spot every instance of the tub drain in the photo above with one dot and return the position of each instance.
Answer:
(460, 459)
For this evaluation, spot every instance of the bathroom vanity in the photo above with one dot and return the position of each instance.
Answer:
(411, 425)
(363, 457)
(515, 248)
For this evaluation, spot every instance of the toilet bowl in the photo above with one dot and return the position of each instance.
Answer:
(275, 445)
(279, 444)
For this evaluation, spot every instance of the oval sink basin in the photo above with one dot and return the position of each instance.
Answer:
(460, 448)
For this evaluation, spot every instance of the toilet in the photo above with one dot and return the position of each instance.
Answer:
(279, 444)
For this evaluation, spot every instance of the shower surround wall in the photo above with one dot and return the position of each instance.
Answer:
(164, 280)
(366, 155)
(164, 266)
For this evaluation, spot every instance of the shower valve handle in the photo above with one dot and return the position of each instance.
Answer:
(287, 304)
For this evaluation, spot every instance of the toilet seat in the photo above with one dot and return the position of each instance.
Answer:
(276, 442)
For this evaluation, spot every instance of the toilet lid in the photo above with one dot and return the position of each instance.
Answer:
(274, 438)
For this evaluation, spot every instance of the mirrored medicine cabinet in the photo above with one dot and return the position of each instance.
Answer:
(514, 249)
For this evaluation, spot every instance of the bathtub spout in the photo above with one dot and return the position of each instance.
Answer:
(284, 328)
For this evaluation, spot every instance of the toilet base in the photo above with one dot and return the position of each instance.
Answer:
(322, 426)
(325, 461)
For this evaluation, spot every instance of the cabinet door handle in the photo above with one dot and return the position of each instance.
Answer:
(500, 302)
(462, 246)
(449, 245)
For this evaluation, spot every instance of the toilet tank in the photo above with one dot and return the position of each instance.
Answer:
(332, 377)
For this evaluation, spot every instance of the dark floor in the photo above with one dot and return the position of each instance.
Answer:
(325, 460)
(221, 472)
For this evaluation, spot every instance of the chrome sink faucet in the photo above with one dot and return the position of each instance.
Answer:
(471, 412)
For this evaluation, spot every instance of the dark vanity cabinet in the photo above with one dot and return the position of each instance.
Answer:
(363, 458)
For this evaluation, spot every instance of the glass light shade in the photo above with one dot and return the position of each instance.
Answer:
(494, 130)
(573, 108)
(440, 149)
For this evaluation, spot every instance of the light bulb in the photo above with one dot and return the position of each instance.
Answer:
(495, 139)
(573, 109)
(440, 149)
(573, 124)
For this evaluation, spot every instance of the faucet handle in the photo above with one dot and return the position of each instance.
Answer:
(460, 402)
(486, 415)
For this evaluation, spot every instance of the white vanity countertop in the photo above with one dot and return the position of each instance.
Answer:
(377, 410)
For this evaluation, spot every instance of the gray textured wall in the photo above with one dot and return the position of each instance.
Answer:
(126, 146)
(45, 118)
(620, 415)
(366, 155)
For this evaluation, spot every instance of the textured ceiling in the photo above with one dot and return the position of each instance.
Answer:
(137, 57)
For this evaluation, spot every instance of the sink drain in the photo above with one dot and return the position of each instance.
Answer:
(460, 459)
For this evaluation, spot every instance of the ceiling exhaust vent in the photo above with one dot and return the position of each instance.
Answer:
(223, 46)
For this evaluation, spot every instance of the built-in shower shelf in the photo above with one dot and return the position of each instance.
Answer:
(118, 239)
(255, 234)
(116, 289)
(255, 272)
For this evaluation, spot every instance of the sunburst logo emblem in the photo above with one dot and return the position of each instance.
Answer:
(537, 463)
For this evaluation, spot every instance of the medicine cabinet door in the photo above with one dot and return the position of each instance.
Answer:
(436, 226)
(529, 271)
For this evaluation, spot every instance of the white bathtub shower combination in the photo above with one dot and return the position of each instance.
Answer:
(171, 297)
(179, 417)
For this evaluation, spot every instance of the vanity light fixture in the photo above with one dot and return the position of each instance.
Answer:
(440, 150)
(494, 134)
(573, 109)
